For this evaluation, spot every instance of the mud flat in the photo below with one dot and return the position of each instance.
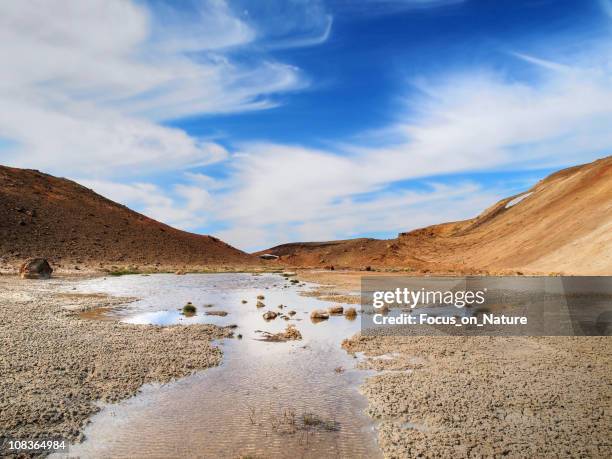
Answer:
(55, 368)
(484, 396)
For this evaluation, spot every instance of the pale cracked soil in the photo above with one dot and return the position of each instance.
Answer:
(458, 397)
(56, 369)
(455, 397)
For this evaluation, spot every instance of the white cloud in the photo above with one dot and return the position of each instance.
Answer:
(475, 121)
(289, 24)
(389, 213)
(84, 94)
(478, 120)
(373, 7)
(184, 206)
(83, 90)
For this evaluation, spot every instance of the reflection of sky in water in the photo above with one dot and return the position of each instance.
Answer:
(207, 414)
(162, 297)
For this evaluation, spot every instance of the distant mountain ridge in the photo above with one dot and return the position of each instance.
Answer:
(561, 225)
(72, 226)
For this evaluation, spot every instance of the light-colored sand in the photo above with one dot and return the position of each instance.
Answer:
(55, 367)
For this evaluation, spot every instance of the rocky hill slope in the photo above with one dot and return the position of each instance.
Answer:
(561, 225)
(55, 218)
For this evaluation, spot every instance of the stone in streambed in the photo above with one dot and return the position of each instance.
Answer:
(319, 314)
(35, 268)
(270, 315)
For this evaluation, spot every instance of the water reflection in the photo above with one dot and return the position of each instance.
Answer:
(269, 399)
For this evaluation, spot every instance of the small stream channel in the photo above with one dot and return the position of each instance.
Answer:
(267, 399)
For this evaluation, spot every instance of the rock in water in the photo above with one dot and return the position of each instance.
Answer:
(270, 315)
(336, 310)
(36, 268)
(189, 309)
(319, 314)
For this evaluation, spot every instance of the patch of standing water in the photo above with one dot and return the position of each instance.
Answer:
(266, 399)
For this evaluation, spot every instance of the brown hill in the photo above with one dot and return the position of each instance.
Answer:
(561, 225)
(55, 218)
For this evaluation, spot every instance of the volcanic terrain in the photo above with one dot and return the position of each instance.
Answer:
(561, 225)
(75, 228)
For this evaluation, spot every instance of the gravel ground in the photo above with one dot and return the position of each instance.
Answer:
(55, 368)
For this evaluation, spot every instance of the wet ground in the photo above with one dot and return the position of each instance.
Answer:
(266, 399)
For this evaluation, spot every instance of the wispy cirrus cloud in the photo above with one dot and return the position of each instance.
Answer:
(476, 120)
(185, 206)
(82, 102)
(84, 91)
(374, 7)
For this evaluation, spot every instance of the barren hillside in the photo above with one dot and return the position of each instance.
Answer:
(55, 218)
(561, 225)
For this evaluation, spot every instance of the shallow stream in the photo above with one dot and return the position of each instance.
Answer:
(266, 399)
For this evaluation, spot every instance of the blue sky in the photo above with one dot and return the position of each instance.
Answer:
(264, 122)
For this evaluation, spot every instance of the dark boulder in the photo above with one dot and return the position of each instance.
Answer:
(36, 268)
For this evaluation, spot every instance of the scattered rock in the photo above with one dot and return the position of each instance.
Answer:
(244, 301)
(189, 309)
(350, 313)
(336, 309)
(180, 272)
(291, 333)
(261, 297)
(292, 313)
(216, 313)
(319, 314)
(259, 304)
(36, 268)
(270, 315)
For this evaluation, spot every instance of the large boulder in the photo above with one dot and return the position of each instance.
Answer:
(36, 268)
